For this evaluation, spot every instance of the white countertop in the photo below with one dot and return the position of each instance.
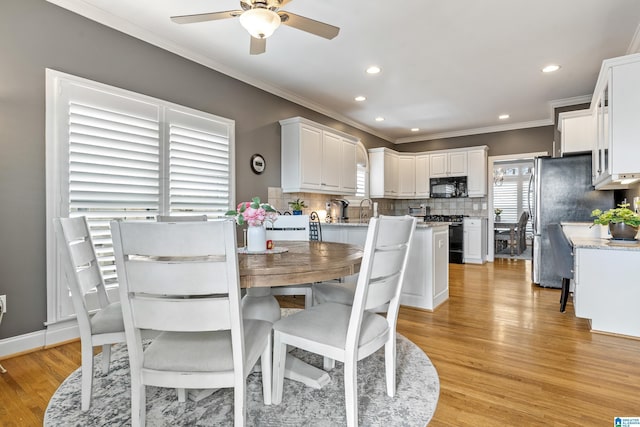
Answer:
(595, 243)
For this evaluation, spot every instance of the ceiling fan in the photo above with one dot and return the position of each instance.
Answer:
(261, 18)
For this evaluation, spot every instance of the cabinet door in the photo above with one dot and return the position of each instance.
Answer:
(438, 163)
(477, 173)
(457, 163)
(349, 169)
(331, 161)
(440, 267)
(310, 152)
(407, 176)
(422, 176)
(390, 175)
(473, 240)
(577, 133)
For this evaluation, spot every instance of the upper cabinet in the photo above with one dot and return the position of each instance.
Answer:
(448, 163)
(406, 175)
(614, 106)
(316, 158)
(577, 131)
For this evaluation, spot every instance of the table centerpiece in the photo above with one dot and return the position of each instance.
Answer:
(254, 214)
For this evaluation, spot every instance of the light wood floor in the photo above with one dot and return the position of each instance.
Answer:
(504, 353)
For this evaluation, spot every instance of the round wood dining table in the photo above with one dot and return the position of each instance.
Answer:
(302, 262)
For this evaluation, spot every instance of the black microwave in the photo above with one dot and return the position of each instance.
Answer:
(448, 187)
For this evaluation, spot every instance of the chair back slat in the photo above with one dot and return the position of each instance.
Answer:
(89, 278)
(184, 278)
(166, 239)
(289, 227)
(181, 314)
(82, 253)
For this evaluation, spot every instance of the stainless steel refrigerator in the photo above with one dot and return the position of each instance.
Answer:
(562, 193)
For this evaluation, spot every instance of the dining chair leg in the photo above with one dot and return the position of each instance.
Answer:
(87, 374)
(267, 375)
(328, 363)
(138, 402)
(390, 365)
(564, 296)
(182, 395)
(106, 358)
(279, 359)
(351, 391)
(239, 402)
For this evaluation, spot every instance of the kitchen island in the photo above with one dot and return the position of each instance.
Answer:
(426, 283)
(607, 288)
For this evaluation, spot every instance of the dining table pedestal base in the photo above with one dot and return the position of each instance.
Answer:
(258, 303)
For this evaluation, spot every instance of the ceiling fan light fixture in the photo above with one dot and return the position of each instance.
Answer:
(260, 22)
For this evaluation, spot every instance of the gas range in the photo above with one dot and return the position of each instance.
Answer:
(455, 219)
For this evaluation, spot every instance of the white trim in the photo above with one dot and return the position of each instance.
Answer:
(476, 131)
(492, 160)
(565, 102)
(38, 340)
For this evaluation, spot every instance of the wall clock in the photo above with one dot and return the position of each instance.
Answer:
(257, 164)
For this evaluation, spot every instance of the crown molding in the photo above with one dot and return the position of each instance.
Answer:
(565, 102)
(476, 131)
(95, 14)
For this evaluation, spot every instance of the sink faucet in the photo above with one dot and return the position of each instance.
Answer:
(369, 206)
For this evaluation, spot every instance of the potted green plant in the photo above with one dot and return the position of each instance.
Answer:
(497, 211)
(296, 206)
(623, 222)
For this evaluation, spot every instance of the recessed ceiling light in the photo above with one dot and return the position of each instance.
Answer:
(374, 69)
(415, 129)
(379, 119)
(360, 98)
(503, 116)
(550, 68)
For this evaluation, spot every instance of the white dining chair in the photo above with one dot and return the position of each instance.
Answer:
(182, 279)
(350, 333)
(288, 228)
(102, 327)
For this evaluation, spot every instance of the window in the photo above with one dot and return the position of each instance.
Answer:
(511, 189)
(362, 173)
(114, 154)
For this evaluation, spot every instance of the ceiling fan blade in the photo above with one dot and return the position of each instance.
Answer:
(309, 25)
(283, 3)
(203, 17)
(257, 46)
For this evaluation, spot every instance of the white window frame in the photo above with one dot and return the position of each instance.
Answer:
(354, 200)
(58, 84)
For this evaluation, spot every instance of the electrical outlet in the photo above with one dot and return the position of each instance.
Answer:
(4, 303)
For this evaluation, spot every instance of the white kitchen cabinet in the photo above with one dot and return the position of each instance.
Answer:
(477, 172)
(426, 283)
(606, 288)
(475, 240)
(383, 173)
(316, 158)
(448, 163)
(406, 175)
(615, 105)
(577, 132)
(423, 189)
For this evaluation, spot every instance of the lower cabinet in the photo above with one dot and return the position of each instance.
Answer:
(475, 240)
(606, 289)
(426, 283)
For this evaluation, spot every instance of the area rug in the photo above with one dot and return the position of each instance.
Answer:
(415, 402)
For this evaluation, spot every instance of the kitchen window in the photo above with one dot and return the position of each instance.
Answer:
(115, 154)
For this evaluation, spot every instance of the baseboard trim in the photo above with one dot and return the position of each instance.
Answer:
(38, 340)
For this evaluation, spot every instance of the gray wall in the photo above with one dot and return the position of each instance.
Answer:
(35, 35)
(500, 143)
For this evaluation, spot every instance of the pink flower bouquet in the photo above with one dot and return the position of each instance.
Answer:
(254, 212)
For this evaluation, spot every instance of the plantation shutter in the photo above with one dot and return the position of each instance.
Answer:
(114, 154)
(199, 165)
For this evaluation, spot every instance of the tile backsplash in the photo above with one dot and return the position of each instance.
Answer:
(476, 206)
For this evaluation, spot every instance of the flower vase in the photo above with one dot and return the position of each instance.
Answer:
(256, 238)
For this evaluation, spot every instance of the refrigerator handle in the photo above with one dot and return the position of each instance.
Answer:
(533, 220)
